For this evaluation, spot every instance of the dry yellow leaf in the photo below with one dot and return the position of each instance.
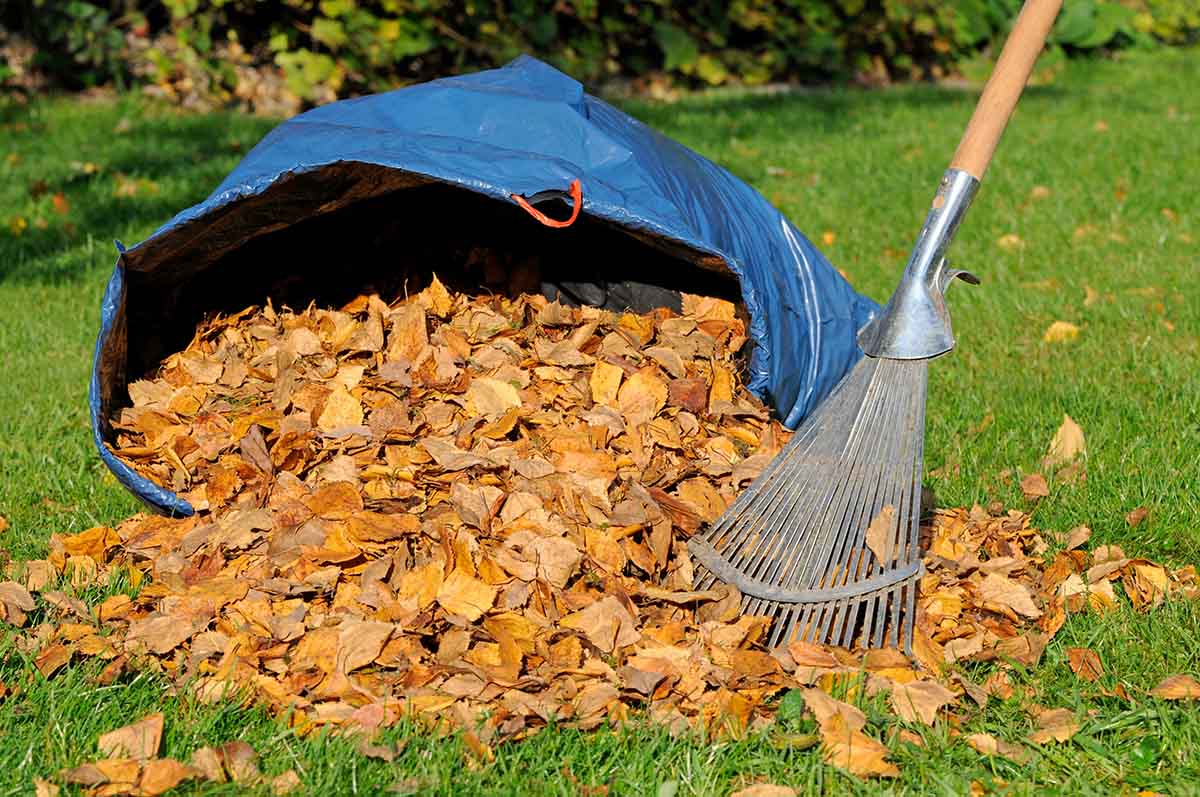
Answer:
(1060, 332)
(987, 744)
(139, 739)
(606, 623)
(850, 749)
(360, 643)
(642, 396)
(341, 410)
(1177, 687)
(1085, 663)
(765, 790)
(491, 397)
(1007, 592)
(466, 596)
(881, 533)
(1055, 725)
(162, 775)
(605, 382)
(920, 701)
(1067, 443)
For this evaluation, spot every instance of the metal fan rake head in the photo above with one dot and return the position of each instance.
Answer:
(796, 542)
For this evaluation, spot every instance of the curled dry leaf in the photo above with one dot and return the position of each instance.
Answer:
(1034, 487)
(1085, 663)
(1177, 687)
(1066, 444)
(765, 790)
(920, 701)
(1055, 725)
(1060, 332)
(986, 744)
(139, 740)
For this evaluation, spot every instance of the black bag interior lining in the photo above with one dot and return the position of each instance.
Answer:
(329, 235)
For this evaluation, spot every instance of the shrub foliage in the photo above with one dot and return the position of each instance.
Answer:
(329, 48)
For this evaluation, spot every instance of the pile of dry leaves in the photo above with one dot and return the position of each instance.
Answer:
(474, 511)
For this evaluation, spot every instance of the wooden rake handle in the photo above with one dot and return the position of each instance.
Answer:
(1004, 87)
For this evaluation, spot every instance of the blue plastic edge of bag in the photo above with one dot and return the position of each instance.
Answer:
(524, 128)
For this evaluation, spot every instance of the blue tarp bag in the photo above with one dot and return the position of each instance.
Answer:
(518, 160)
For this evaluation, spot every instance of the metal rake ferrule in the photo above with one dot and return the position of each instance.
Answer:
(915, 324)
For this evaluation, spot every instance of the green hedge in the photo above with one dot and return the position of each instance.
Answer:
(328, 48)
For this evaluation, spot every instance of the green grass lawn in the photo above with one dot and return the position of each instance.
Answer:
(1115, 144)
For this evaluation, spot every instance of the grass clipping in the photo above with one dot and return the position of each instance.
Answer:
(474, 512)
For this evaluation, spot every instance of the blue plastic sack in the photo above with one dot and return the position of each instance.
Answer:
(518, 130)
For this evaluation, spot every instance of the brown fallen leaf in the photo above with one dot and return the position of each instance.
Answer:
(881, 532)
(1177, 687)
(765, 790)
(52, 658)
(285, 783)
(996, 588)
(44, 788)
(1034, 487)
(986, 744)
(139, 740)
(1085, 663)
(1067, 443)
(920, 701)
(1136, 516)
(163, 774)
(1055, 725)
(854, 751)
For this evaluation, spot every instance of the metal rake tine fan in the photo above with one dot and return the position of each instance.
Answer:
(825, 540)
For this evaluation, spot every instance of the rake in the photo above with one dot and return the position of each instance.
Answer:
(825, 540)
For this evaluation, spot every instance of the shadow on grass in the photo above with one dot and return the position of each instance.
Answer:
(167, 160)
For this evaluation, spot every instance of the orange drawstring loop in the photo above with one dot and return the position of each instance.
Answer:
(576, 192)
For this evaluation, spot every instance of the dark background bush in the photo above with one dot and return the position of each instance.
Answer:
(316, 50)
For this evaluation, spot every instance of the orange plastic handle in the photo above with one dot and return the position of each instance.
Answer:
(576, 191)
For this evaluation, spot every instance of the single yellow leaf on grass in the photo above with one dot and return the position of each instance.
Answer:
(44, 788)
(987, 744)
(1067, 444)
(854, 751)
(1060, 331)
(1010, 243)
(920, 701)
(881, 533)
(1177, 687)
(829, 237)
(1055, 725)
(765, 790)
(1085, 663)
(287, 782)
(139, 740)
